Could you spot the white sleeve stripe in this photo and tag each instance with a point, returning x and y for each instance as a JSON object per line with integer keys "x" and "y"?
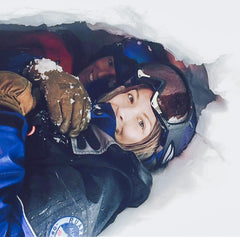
{"x": 25, "y": 218}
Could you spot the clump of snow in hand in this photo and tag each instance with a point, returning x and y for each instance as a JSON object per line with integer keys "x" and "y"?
{"x": 46, "y": 65}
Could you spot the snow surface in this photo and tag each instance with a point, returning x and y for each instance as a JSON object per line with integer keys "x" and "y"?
{"x": 198, "y": 193}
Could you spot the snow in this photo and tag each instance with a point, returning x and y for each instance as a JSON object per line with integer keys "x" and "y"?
{"x": 198, "y": 193}
{"x": 45, "y": 65}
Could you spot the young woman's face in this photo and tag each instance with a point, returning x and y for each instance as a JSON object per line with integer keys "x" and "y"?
{"x": 134, "y": 115}
{"x": 100, "y": 69}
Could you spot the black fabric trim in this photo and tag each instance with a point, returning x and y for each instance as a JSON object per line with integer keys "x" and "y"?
{"x": 4, "y": 108}
{"x": 11, "y": 120}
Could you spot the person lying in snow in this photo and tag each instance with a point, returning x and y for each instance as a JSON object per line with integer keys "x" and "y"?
{"x": 75, "y": 46}
{"x": 69, "y": 182}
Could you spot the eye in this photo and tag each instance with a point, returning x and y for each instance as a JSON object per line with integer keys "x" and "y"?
{"x": 141, "y": 123}
{"x": 110, "y": 62}
{"x": 130, "y": 97}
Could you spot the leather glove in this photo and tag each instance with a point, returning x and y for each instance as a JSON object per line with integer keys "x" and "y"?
{"x": 15, "y": 93}
{"x": 68, "y": 103}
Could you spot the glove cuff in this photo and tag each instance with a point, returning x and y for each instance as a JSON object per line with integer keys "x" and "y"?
{"x": 10, "y": 102}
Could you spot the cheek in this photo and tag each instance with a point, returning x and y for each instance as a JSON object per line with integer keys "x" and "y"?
{"x": 105, "y": 72}
{"x": 129, "y": 135}
{"x": 84, "y": 76}
{"x": 86, "y": 70}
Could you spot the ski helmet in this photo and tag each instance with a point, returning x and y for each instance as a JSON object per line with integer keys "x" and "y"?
{"x": 171, "y": 98}
{"x": 132, "y": 59}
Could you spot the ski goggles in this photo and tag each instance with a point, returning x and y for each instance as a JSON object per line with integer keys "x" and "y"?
{"x": 173, "y": 107}
{"x": 171, "y": 98}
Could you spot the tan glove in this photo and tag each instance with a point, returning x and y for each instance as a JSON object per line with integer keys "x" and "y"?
{"x": 68, "y": 102}
{"x": 15, "y": 92}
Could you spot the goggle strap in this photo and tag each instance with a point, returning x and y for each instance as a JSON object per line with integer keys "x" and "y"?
{"x": 154, "y": 103}
{"x": 169, "y": 154}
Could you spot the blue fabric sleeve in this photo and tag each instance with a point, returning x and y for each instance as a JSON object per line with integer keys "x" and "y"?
{"x": 13, "y": 129}
{"x": 19, "y": 61}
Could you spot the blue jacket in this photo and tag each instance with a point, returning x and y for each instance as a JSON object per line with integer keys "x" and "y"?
{"x": 13, "y": 130}
{"x": 65, "y": 185}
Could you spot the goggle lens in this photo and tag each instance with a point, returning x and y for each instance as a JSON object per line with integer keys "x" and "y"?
{"x": 170, "y": 99}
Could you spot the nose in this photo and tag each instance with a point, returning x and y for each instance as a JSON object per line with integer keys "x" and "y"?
{"x": 122, "y": 114}
{"x": 125, "y": 114}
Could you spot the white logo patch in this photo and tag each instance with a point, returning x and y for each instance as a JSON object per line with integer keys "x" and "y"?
{"x": 67, "y": 227}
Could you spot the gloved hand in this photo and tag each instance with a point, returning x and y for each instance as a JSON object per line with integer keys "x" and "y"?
{"x": 15, "y": 92}
{"x": 68, "y": 102}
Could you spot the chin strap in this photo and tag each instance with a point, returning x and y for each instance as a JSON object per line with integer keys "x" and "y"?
{"x": 102, "y": 115}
